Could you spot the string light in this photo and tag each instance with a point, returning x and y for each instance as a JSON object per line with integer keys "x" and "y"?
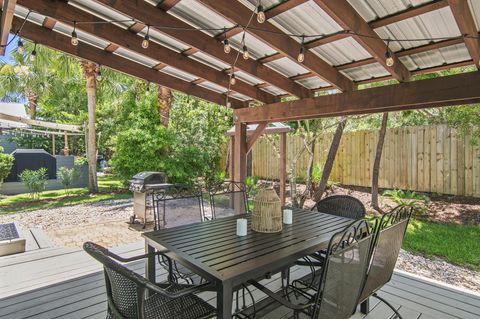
{"x": 74, "y": 39}
{"x": 146, "y": 39}
{"x": 389, "y": 61}
{"x": 148, "y": 87}
{"x": 20, "y": 46}
{"x": 99, "y": 74}
{"x": 246, "y": 55}
{"x": 260, "y": 13}
{"x": 226, "y": 46}
{"x": 229, "y": 104}
{"x": 233, "y": 80}
{"x": 33, "y": 55}
{"x": 301, "y": 55}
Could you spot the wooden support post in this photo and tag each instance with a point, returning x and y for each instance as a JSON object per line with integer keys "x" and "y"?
{"x": 283, "y": 167}
{"x": 53, "y": 144}
{"x": 65, "y": 149}
{"x": 231, "y": 168}
{"x": 240, "y": 161}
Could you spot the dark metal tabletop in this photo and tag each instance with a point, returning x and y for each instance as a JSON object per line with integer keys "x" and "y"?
{"x": 213, "y": 250}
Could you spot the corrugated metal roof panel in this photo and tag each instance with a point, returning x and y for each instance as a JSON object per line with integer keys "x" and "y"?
{"x": 245, "y": 77}
{"x": 287, "y": 67}
{"x": 82, "y": 36}
{"x": 307, "y": 18}
{"x": 313, "y": 82}
{"x": 134, "y": 56}
{"x": 240, "y": 96}
{"x": 164, "y": 40}
{"x": 341, "y": 51}
{"x": 256, "y": 47}
{"x": 475, "y": 8}
{"x": 213, "y": 87}
{"x": 103, "y": 12}
{"x": 178, "y": 73}
{"x": 196, "y": 14}
{"x": 210, "y": 61}
{"x": 436, "y": 24}
{"x": 373, "y": 9}
{"x": 274, "y": 90}
{"x": 33, "y": 16}
{"x": 374, "y": 70}
{"x": 451, "y": 54}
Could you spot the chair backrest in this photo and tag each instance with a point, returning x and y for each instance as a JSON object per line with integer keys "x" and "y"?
{"x": 177, "y": 199}
{"x": 125, "y": 288}
{"x": 221, "y": 197}
{"x": 343, "y": 273}
{"x": 342, "y": 205}
{"x": 388, "y": 241}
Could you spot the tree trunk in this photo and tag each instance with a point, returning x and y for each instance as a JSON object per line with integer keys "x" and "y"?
{"x": 90, "y": 71}
{"x": 332, "y": 153}
{"x": 165, "y": 98}
{"x": 32, "y": 99}
{"x": 376, "y": 163}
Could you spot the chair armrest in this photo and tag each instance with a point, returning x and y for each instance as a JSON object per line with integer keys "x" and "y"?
{"x": 181, "y": 293}
{"x": 277, "y": 298}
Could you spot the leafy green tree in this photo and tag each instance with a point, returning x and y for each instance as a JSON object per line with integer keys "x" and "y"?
{"x": 6, "y": 162}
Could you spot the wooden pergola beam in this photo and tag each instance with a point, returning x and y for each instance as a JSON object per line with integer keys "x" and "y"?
{"x": 62, "y": 11}
{"x": 327, "y": 39}
{"x": 466, "y": 23}
{"x": 8, "y": 8}
{"x": 255, "y": 135}
{"x": 282, "y": 7}
{"x": 62, "y": 43}
{"x": 167, "y": 4}
{"x": 408, "y": 13}
{"x": 349, "y": 19}
{"x": 238, "y": 13}
{"x": 141, "y": 10}
{"x": 442, "y": 91}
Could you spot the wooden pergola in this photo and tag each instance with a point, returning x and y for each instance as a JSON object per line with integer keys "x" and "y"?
{"x": 344, "y": 44}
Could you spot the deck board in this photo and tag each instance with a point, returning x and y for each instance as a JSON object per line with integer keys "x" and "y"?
{"x": 70, "y": 284}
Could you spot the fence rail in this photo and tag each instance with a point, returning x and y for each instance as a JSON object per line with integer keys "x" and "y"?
{"x": 421, "y": 158}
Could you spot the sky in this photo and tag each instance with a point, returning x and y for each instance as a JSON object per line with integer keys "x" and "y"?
{"x": 13, "y": 46}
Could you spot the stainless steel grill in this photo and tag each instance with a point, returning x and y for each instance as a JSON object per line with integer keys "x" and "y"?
{"x": 143, "y": 184}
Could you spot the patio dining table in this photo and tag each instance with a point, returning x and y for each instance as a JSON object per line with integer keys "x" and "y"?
{"x": 214, "y": 251}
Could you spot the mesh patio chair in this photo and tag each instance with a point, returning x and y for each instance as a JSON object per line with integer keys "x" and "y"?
{"x": 221, "y": 197}
{"x": 341, "y": 205}
{"x": 131, "y": 296}
{"x": 183, "y": 199}
{"x": 341, "y": 280}
{"x": 384, "y": 253}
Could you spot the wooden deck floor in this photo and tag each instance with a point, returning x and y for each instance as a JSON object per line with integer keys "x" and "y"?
{"x": 67, "y": 283}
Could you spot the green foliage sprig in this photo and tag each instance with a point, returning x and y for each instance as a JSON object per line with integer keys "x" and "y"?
{"x": 35, "y": 181}
{"x": 67, "y": 177}
{"x": 6, "y": 162}
{"x": 419, "y": 203}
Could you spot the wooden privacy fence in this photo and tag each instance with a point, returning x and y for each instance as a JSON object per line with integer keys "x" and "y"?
{"x": 421, "y": 158}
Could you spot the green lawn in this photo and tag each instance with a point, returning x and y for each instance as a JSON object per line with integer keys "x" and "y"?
{"x": 457, "y": 244}
{"x": 108, "y": 187}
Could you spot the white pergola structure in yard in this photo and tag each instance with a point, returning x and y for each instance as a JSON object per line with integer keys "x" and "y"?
{"x": 304, "y": 47}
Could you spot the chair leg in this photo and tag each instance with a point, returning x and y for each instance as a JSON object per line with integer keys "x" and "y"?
{"x": 389, "y": 305}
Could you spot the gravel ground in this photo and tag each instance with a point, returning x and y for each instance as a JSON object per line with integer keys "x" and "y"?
{"x": 81, "y": 217}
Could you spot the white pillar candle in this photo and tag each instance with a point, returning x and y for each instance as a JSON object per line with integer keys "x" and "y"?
{"x": 287, "y": 216}
{"x": 241, "y": 227}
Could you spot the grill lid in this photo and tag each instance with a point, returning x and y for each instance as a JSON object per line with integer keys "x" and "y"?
{"x": 140, "y": 180}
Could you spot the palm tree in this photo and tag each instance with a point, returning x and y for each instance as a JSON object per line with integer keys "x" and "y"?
{"x": 90, "y": 71}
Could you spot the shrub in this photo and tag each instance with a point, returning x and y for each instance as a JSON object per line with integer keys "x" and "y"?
{"x": 6, "y": 162}
{"x": 67, "y": 177}
{"x": 35, "y": 181}
{"x": 251, "y": 185}
{"x": 419, "y": 203}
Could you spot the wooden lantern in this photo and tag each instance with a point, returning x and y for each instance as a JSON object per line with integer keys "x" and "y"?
{"x": 267, "y": 212}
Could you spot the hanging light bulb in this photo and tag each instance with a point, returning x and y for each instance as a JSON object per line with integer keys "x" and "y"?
{"x": 233, "y": 80}
{"x": 33, "y": 55}
{"x": 246, "y": 55}
{"x": 99, "y": 74}
{"x": 388, "y": 57}
{"x": 74, "y": 39}
{"x": 260, "y": 14}
{"x": 148, "y": 87}
{"x": 229, "y": 104}
{"x": 301, "y": 55}
{"x": 146, "y": 39}
{"x": 226, "y": 46}
{"x": 20, "y": 46}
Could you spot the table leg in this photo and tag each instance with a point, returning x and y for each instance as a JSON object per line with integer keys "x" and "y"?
{"x": 224, "y": 300}
{"x": 150, "y": 263}
{"x": 365, "y": 306}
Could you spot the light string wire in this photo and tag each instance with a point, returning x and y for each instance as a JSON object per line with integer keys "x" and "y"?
{"x": 17, "y": 34}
